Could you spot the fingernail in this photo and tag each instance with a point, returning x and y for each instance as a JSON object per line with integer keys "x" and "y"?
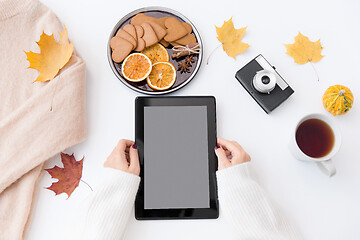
{"x": 134, "y": 146}
{"x": 217, "y": 147}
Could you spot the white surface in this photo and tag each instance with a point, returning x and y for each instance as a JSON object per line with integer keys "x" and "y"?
{"x": 323, "y": 208}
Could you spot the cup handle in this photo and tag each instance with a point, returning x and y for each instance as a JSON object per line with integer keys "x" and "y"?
{"x": 327, "y": 167}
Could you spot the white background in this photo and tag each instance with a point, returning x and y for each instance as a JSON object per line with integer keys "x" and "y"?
{"x": 322, "y": 208}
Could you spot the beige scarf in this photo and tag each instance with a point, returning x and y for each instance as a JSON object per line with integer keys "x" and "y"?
{"x": 30, "y": 133}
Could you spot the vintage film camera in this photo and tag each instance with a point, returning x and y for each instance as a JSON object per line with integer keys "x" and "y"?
{"x": 264, "y": 83}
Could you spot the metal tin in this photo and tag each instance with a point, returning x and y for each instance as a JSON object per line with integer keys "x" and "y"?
{"x": 160, "y": 9}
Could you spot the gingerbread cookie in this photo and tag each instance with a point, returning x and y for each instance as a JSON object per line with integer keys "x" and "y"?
{"x": 161, "y": 21}
{"x": 137, "y": 19}
{"x": 131, "y": 30}
{"x": 187, "y": 40}
{"x": 140, "y": 42}
{"x": 175, "y": 29}
{"x": 140, "y": 18}
{"x": 140, "y": 45}
{"x": 121, "y": 48}
{"x": 125, "y": 35}
{"x": 159, "y": 30}
{"x": 164, "y": 43}
{"x": 188, "y": 27}
{"x": 149, "y": 37}
{"x": 139, "y": 31}
{"x": 157, "y": 25}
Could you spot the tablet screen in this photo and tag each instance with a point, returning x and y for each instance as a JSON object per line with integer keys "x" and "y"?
{"x": 176, "y": 170}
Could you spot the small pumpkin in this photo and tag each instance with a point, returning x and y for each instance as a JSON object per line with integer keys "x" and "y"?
{"x": 338, "y": 100}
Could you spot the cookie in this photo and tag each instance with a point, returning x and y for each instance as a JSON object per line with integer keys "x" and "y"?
{"x": 125, "y": 35}
{"x": 159, "y": 30}
{"x": 121, "y": 48}
{"x": 149, "y": 37}
{"x": 138, "y": 19}
{"x": 188, "y": 39}
{"x": 188, "y": 27}
{"x": 140, "y": 42}
{"x": 175, "y": 29}
{"x": 117, "y": 42}
{"x": 161, "y": 21}
{"x": 164, "y": 43}
{"x": 131, "y": 30}
{"x": 140, "y": 45}
{"x": 139, "y": 31}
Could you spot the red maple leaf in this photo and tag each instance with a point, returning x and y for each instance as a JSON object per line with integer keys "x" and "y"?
{"x": 69, "y": 176}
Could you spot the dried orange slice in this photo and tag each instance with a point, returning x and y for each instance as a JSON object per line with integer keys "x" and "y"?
{"x": 162, "y": 76}
{"x": 156, "y": 53}
{"x": 136, "y": 67}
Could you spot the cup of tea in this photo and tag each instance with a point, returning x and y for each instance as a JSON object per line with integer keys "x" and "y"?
{"x": 316, "y": 138}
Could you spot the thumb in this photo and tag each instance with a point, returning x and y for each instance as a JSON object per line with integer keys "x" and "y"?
{"x": 223, "y": 161}
{"x": 134, "y": 157}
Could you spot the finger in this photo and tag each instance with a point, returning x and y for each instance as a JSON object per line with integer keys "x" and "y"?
{"x": 242, "y": 152}
{"x": 238, "y": 145}
{"x": 229, "y": 145}
{"x": 243, "y": 155}
{"x": 223, "y": 161}
{"x": 123, "y": 144}
{"x": 114, "y": 160}
{"x": 134, "y": 156}
{"x": 127, "y": 156}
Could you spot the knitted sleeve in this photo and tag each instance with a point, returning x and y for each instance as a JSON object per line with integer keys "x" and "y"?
{"x": 33, "y": 133}
{"x": 111, "y": 205}
{"x": 246, "y": 206}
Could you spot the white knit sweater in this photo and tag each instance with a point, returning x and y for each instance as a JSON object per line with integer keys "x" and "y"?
{"x": 242, "y": 201}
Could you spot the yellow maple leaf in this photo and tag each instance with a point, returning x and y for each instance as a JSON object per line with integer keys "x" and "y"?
{"x": 231, "y": 38}
{"x": 304, "y": 51}
{"x": 53, "y": 55}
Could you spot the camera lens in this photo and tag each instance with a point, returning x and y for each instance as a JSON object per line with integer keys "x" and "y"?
{"x": 265, "y": 79}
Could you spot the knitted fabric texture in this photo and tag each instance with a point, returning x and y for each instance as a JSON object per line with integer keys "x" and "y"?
{"x": 30, "y": 133}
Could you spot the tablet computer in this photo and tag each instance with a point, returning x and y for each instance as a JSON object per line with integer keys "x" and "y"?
{"x": 176, "y": 137}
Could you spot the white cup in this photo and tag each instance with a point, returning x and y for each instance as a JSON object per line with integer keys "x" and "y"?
{"x": 324, "y": 163}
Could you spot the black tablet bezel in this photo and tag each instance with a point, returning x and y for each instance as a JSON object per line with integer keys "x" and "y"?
{"x": 187, "y": 213}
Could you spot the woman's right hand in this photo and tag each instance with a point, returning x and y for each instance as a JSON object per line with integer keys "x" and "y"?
{"x": 230, "y": 153}
{"x": 124, "y": 157}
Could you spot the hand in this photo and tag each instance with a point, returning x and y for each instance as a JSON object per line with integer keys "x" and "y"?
{"x": 230, "y": 153}
{"x": 124, "y": 157}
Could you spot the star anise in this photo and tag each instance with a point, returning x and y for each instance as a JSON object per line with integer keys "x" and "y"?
{"x": 183, "y": 67}
{"x": 189, "y": 60}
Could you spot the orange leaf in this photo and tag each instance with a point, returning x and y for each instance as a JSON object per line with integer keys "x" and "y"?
{"x": 53, "y": 55}
{"x": 231, "y": 38}
{"x": 304, "y": 50}
{"x": 69, "y": 176}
